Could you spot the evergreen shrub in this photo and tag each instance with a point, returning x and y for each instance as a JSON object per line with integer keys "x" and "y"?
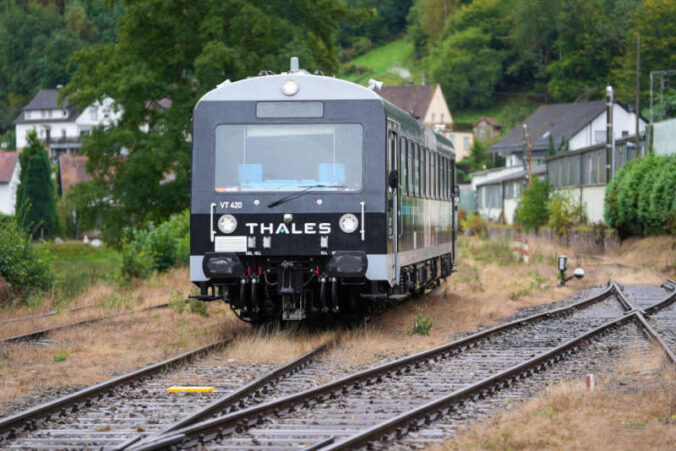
{"x": 24, "y": 266}
{"x": 157, "y": 248}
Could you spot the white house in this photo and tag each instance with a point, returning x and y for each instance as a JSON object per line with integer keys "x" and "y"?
{"x": 9, "y": 180}
{"x": 59, "y": 124}
{"x": 576, "y": 126}
{"x": 580, "y": 124}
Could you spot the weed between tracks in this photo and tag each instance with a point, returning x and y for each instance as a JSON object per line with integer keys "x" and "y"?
{"x": 635, "y": 408}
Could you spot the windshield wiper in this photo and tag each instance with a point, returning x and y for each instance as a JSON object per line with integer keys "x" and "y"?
{"x": 296, "y": 195}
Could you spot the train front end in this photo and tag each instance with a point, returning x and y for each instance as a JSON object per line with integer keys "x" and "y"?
{"x": 288, "y": 203}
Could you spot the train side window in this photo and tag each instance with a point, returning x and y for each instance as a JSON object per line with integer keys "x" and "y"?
{"x": 392, "y": 147}
{"x": 416, "y": 171}
{"x": 411, "y": 174}
{"x": 450, "y": 179}
{"x": 428, "y": 178}
{"x": 434, "y": 175}
{"x": 420, "y": 172}
{"x": 403, "y": 169}
{"x": 442, "y": 173}
{"x": 423, "y": 171}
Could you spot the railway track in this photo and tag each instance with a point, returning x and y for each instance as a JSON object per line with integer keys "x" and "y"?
{"x": 47, "y": 314}
{"x": 38, "y": 334}
{"x": 335, "y": 411}
{"x": 123, "y": 410}
{"x": 286, "y": 407}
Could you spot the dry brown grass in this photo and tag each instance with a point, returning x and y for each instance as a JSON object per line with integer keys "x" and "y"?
{"x": 633, "y": 409}
{"x": 107, "y": 299}
{"x": 479, "y": 294}
{"x": 276, "y": 347}
{"x": 101, "y": 350}
{"x": 655, "y": 253}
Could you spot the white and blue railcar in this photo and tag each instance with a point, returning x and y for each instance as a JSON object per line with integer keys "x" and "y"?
{"x": 314, "y": 198}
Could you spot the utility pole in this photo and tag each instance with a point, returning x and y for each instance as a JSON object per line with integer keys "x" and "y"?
{"x": 530, "y": 161}
{"x": 610, "y": 141}
{"x": 638, "y": 96}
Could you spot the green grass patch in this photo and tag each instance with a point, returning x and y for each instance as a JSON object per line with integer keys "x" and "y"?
{"x": 387, "y": 63}
{"x": 60, "y": 357}
{"x": 421, "y": 325}
{"x": 76, "y": 266}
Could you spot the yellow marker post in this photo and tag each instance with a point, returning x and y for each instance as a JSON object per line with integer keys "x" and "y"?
{"x": 190, "y": 389}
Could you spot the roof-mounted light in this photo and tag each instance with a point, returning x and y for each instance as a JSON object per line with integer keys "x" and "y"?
{"x": 290, "y": 87}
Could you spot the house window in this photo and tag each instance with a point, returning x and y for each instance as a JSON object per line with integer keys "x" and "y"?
{"x": 44, "y": 113}
{"x": 599, "y": 136}
{"x": 452, "y": 138}
{"x": 64, "y": 112}
{"x": 465, "y": 142}
{"x": 93, "y": 113}
{"x": 432, "y": 117}
{"x": 625, "y": 133}
{"x": 63, "y": 133}
{"x": 442, "y": 118}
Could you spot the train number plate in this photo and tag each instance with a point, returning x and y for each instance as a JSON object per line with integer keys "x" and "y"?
{"x": 230, "y": 244}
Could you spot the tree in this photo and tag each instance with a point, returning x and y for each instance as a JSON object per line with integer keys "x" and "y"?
{"x": 36, "y": 41}
{"x": 35, "y": 202}
{"x": 467, "y": 68}
{"x": 533, "y": 210}
{"x": 655, "y": 20}
{"x": 164, "y": 60}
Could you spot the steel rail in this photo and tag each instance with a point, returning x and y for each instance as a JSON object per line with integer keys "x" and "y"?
{"x": 42, "y": 332}
{"x": 628, "y": 305}
{"x": 46, "y": 314}
{"x": 30, "y": 418}
{"x": 429, "y": 412}
{"x": 667, "y": 301}
{"x": 250, "y": 416}
{"x": 239, "y": 395}
{"x": 655, "y": 336}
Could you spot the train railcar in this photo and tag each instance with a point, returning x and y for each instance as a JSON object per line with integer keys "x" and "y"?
{"x": 315, "y": 198}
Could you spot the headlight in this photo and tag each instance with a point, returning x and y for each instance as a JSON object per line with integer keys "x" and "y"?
{"x": 227, "y": 223}
{"x": 348, "y": 223}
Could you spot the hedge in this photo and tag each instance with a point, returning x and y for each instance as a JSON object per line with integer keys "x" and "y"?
{"x": 641, "y": 198}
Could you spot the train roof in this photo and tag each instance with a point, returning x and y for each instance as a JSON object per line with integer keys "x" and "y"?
{"x": 269, "y": 88}
{"x": 312, "y": 87}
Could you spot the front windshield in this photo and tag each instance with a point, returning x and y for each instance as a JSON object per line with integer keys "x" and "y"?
{"x": 288, "y": 157}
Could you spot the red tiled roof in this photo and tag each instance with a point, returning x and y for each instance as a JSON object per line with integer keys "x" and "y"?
{"x": 7, "y": 164}
{"x": 73, "y": 169}
{"x": 414, "y": 99}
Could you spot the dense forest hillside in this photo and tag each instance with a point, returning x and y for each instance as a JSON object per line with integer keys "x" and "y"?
{"x": 513, "y": 53}
{"x": 498, "y": 57}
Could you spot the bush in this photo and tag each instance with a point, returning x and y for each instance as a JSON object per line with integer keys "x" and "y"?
{"x": 640, "y": 199}
{"x": 157, "y": 248}
{"x": 564, "y": 213}
{"x": 533, "y": 210}
{"x": 474, "y": 223}
{"x": 24, "y": 266}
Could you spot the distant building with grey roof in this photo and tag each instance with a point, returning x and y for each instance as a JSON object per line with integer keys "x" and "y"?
{"x": 579, "y": 124}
